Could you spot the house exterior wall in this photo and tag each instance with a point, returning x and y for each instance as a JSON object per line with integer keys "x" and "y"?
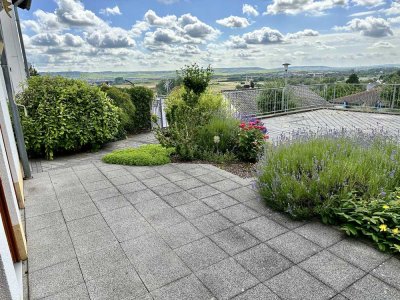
{"x": 13, "y": 48}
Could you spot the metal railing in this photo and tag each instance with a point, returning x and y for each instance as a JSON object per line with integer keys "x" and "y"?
{"x": 158, "y": 109}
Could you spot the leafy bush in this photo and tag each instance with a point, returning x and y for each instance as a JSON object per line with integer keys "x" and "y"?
{"x": 147, "y": 155}
{"x": 66, "y": 115}
{"x": 251, "y": 140}
{"x": 308, "y": 174}
{"x": 220, "y": 135}
{"x": 142, "y": 99}
{"x": 127, "y": 110}
{"x": 376, "y": 218}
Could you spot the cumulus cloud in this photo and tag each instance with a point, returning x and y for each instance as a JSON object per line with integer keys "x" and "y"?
{"x": 154, "y": 20}
{"x": 110, "y": 38}
{"x": 111, "y": 11}
{"x": 382, "y": 44}
{"x": 370, "y": 3}
{"x": 73, "y": 40}
{"x": 250, "y": 10}
{"x": 300, "y": 34}
{"x": 294, "y": 7}
{"x": 236, "y": 42}
{"x": 264, "y": 36}
{"x": 73, "y": 13}
{"x": 370, "y": 26}
{"x": 46, "y": 39}
{"x": 234, "y": 22}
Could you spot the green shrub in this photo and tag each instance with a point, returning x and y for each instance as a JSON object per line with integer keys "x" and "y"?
{"x": 66, "y": 115}
{"x": 127, "y": 110}
{"x": 142, "y": 99}
{"x": 376, "y": 218}
{"x": 220, "y": 135}
{"x": 250, "y": 142}
{"x": 305, "y": 176}
{"x": 147, "y": 155}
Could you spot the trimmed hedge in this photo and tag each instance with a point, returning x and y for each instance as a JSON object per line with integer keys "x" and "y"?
{"x": 147, "y": 155}
{"x": 142, "y": 99}
{"x": 66, "y": 115}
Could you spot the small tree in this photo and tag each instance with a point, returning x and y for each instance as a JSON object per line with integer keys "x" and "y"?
{"x": 353, "y": 79}
{"x": 33, "y": 71}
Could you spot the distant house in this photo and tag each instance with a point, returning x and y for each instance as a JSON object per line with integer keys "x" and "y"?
{"x": 371, "y": 98}
{"x": 14, "y": 73}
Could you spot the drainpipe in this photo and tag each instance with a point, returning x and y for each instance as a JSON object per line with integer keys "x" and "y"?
{"x": 19, "y": 135}
{"x": 21, "y": 39}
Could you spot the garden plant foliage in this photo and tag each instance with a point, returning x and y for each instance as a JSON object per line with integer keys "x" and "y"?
{"x": 142, "y": 99}
{"x": 309, "y": 175}
{"x": 147, "y": 155}
{"x": 66, "y": 115}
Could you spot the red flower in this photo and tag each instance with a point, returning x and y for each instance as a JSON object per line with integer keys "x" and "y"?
{"x": 266, "y": 137}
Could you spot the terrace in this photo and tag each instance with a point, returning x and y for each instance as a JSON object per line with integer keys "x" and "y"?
{"x": 190, "y": 231}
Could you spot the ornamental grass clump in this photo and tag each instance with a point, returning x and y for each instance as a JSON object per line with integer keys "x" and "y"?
{"x": 306, "y": 174}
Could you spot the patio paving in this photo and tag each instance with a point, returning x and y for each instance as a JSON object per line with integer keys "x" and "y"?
{"x": 182, "y": 231}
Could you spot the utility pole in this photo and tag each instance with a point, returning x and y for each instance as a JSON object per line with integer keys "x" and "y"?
{"x": 19, "y": 135}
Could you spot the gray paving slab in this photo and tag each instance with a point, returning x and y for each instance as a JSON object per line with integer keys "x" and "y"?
{"x": 263, "y": 262}
{"x": 74, "y": 200}
{"x": 203, "y": 191}
{"x": 226, "y": 279}
{"x": 259, "y": 292}
{"x": 371, "y": 288}
{"x": 93, "y": 241}
{"x": 131, "y": 187}
{"x": 155, "y": 181}
{"x": 55, "y": 279}
{"x": 234, "y": 240}
{"x": 43, "y": 221}
{"x": 86, "y": 225}
{"x": 219, "y": 201}
{"x": 200, "y": 254}
{"x": 179, "y": 198}
{"x": 211, "y": 178}
{"x": 225, "y": 185}
{"x": 104, "y": 193}
{"x": 78, "y": 212}
{"x": 112, "y": 203}
{"x": 263, "y": 228}
{"x": 194, "y": 210}
{"x": 139, "y": 196}
{"x": 359, "y": 254}
{"x": 389, "y": 272}
{"x": 239, "y": 213}
{"x": 76, "y": 292}
{"x": 332, "y": 270}
{"x": 187, "y": 288}
{"x": 97, "y": 185}
{"x": 180, "y": 234}
{"x": 166, "y": 189}
{"x": 123, "y": 179}
{"x": 242, "y": 194}
{"x": 322, "y": 235}
{"x": 189, "y": 183}
{"x": 176, "y": 176}
{"x": 295, "y": 283}
{"x": 212, "y": 223}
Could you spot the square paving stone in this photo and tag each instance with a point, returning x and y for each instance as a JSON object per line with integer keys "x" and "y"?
{"x": 166, "y": 189}
{"x": 166, "y": 169}
{"x": 155, "y": 181}
{"x": 48, "y": 236}
{"x": 186, "y": 288}
{"x": 234, "y": 240}
{"x": 93, "y": 241}
{"x": 219, "y": 201}
{"x": 97, "y": 185}
{"x": 263, "y": 228}
{"x": 200, "y": 254}
{"x": 203, "y": 191}
{"x": 72, "y": 190}
{"x": 41, "y": 209}
{"x": 118, "y": 284}
{"x": 226, "y": 279}
{"x": 86, "y": 225}
{"x": 212, "y": 223}
{"x": 259, "y": 292}
{"x": 225, "y": 185}
{"x": 260, "y": 207}
{"x": 142, "y": 195}
{"x": 211, "y": 178}
{"x": 372, "y": 288}
{"x": 123, "y": 179}
{"x": 179, "y": 198}
{"x": 54, "y": 279}
{"x": 263, "y": 262}
{"x": 188, "y": 184}
{"x": 297, "y": 284}
{"x": 152, "y": 206}
{"x": 180, "y": 234}
{"x": 79, "y": 212}
{"x": 148, "y": 174}
{"x": 43, "y": 221}
{"x": 164, "y": 218}
{"x": 359, "y": 254}
{"x": 74, "y": 200}
{"x": 285, "y": 220}
{"x": 239, "y": 213}
{"x": 197, "y": 171}
{"x": 103, "y": 194}
{"x": 389, "y": 272}
{"x": 194, "y": 210}
{"x": 112, "y": 203}
{"x": 130, "y": 229}
{"x": 293, "y": 246}
{"x": 320, "y": 234}
{"x": 102, "y": 262}
{"x": 242, "y": 194}
{"x": 77, "y": 292}
{"x": 122, "y": 214}
{"x": 116, "y": 173}
{"x": 176, "y": 176}
{"x": 332, "y": 270}
{"x": 145, "y": 247}
{"x": 93, "y": 177}
{"x": 131, "y": 187}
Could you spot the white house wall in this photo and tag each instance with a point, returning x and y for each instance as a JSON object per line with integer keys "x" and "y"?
{"x": 13, "y": 48}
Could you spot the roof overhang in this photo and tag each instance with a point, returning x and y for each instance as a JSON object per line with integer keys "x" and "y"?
{"x": 24, "y": 4}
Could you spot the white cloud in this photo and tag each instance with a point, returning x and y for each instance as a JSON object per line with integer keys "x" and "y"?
{"x": 370, "y": 26}
{"x": 46, "y": 39}
{"x": 382, "y": 44}
{"x": 73, "y": 13}
{"x": 110, "y": 38}
{"x": 369, "y": 3}
{"x": 294, "y": 7}
{"x": 168, "y": 1}
{"x": 236, "y": 42}
{"x": 73, "y": 40}
{"x": 250, "y": 10}
{"x": 111, "y": 11}
{"x": 154, "y": 20}
{"x": 234, "y": 22}
{"x": 264, "y": 36}
{"x": 363, "y": 13}
{"x": 394, "y": 9}
{"x": 304, "y": 33}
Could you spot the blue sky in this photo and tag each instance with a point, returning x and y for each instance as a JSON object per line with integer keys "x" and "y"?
{"x": 129, "y": 35}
